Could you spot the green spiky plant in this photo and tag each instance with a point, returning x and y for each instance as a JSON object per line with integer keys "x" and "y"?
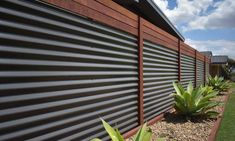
{"x": 208, "y": 90}
{"x": 192, "y": 102}
{"x": 218, "y": 83}
{"x": 143, "y": 134}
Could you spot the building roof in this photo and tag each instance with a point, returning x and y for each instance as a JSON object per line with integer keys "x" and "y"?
{"x": 207, "y": 53}
{"x": 219, "y": 59}
{"x": 151, "y": 12}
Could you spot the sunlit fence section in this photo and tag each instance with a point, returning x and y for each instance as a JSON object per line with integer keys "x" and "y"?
{"x": 160, "y": 70}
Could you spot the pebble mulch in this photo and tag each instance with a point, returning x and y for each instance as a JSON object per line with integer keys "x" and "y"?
{"x": 176, "y": 128}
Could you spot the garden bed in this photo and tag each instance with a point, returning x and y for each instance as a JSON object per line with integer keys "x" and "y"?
{"x": 176, "y": 128}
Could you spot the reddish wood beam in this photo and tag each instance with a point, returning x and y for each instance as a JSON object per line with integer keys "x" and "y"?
{"x": 179, "y": 61}
{"x": 141, "y": 80}
{"x": 159, "y": 30}
{"x": 150, "y": 122}
{"x": 88, "y": 9}
{"x": 131, "y": 132}
{"x": 159, "y": 42}
{"x": 157, "y": 118}
{"x": 134, "y": 131}
{"x": 108, "y": 11}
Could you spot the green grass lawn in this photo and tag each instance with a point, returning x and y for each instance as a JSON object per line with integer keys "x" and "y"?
{"x": 233, "y": 85}
{"x": 227, "y": 128}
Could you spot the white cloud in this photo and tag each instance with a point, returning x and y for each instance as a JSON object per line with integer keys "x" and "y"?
{"x": 162, "y": 4}
{"x": 185, "y": 11}
{"x": 218, "y": 47}
{"x": 222, "y": 17}
{"x": 193, "y": 14}
{"x": 203, "y": 14}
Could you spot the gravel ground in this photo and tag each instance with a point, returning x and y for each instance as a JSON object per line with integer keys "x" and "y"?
{"x": 176, "y": 128}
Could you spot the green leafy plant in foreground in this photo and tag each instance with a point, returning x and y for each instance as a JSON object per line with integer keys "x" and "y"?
{"x": 192, "y": 102}
{"x": 143, "y": 134}
{"x": 218, "y": 83}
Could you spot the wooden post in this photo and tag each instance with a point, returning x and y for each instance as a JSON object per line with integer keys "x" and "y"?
{"x": 179, "y": 61}
{"x": 195, "y": 68}
{"x": 141, "y": 82}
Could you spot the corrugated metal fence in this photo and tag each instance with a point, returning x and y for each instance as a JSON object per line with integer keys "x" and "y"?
{"x": 188, "y": 70}
{"x": 160, "y": 70}
{"x": 60, "y": 72}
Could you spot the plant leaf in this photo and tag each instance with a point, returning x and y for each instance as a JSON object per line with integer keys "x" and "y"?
{"x": 190, "y": 87}
{"x": 110, "y": 131}
{"x": 119, "y": 136}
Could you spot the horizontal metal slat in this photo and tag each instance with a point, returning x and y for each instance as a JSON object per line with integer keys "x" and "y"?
{"x": 61, "y": 73}
{"x": 24, "y": 97}
{"x": 60, "y": 43}
{"x": 54, "y": 23}
{"x": 53, "y": 104}
{"x": 59, "y": 34}
{"x": 148, "y": 95}
{"x": 123, "y": 125}
{"x": 160, "y": 74}
{"x": 160, "y": 69}
{"x": 156, "y": 83}
{"x": 164, "y": 57}
{"x": 36, "y": 118}
{"x": 147, "y": 59}
{"x": 43, "y": 127}
{"x": 158, "y": 87}
{"x": 158, "y": 106}
{"x": 62, "y": 63}
{"x": 146, "y": 79}
{"x": 151, "y": 104}
{"x": 68, "y": 16}
{"x": 155, "y": 50}
{"x": 63, "y": 54}
{"x": 159, "y": 48}
{"x": 159, "y": 65}
{"x": 160, "y": 110}
{"x": 56, "y": 43}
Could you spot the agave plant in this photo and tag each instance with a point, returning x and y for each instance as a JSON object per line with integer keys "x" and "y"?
{"x": 143, "y": 134}
{"x": 192, "y": 102}
{"x": 208, "y": 90}
{"x": 113, "y": 133}
{"x": 218, "y": 83}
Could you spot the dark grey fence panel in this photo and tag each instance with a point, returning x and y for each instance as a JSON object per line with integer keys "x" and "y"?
{"x": 200, "y": 72}
{"x": 160, "y": 70}
{"x": 60, "y": 72}
{"x": 187, "y": 70}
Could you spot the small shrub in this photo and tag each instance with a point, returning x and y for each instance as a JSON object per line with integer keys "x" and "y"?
{"x": 143, "y": 134}
{"x": 208, "y": 90}
{"x": 192, "y": 102}
{"x": 218, "y": 83}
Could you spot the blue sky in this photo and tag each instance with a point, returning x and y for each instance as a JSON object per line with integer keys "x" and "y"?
{"x": 207, "y": 25}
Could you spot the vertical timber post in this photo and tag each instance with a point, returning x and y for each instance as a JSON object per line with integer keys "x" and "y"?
{"x": 179, "y": 61}
{"x": 195, "y": 68}
{"x": 141, "y": 81}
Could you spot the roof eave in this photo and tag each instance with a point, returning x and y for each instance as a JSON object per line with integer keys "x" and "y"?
{"x": 155, "y": 7}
